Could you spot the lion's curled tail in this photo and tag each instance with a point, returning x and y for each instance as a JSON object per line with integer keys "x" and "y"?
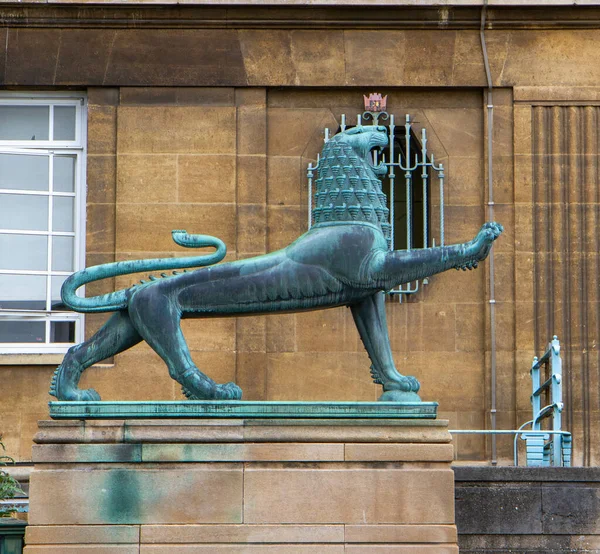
{"x": 118, "y": 300}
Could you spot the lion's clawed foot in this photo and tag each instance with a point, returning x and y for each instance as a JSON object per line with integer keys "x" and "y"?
{"x": 403, "y": 390}
{"x": 63, "y": 387}
{"x": 227, "y": 391}
{"x": 406, "y": 383}
{"x": 480, "y": 246}
{"x": 488, "y": 233}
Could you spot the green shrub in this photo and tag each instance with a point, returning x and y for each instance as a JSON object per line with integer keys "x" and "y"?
{"x": 9, "y": 486}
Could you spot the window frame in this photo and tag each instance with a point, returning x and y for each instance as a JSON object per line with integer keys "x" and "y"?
{"x": 51, "y": 148}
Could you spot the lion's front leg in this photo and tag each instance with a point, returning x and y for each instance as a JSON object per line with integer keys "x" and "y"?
{"x": 369, "y": 316}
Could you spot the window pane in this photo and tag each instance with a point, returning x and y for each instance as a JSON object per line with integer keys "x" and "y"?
{"x": 64, "y": 173}
{"x": 64, "y": 122}
{"x": 22, "y": 331}
{"x": 29, "y": 252}
{"x": 24, "y": 212}
{"x": 24, "y": 122}
{"x": 62, "y": 213}
{"x": 62, "y": 331}
{"x": 62, "y": 253}
{"x": 23, "y": 172}
{"x": 22, "y": 292}
{"x": 55, "y": 286}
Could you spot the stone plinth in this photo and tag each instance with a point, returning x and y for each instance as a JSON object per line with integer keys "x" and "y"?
{"x": 242, "y": 485}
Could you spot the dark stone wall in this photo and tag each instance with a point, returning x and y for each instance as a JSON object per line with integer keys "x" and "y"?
{"x": 519, "y": 509}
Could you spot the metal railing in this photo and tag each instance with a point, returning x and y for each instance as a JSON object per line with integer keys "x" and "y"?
{"x": 544, "y": 447}
{"x": 554, "y": 448}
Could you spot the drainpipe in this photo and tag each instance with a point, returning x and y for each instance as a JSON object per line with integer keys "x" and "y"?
{"x": 492, "y": 300}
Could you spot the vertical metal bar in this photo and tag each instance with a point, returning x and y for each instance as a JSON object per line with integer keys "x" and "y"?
{"x": 392, "y": 177}
{"x": 309, "y": 174}
{"x": 441, "y": 178}
{"x": 424, "y": 177}
{"x": 407, "y": 178}
{"x": 343, "y": 123}
{"x": 49, "y": 235}
{"x": 556, "y": 369}
{"x": 535, "y": 398}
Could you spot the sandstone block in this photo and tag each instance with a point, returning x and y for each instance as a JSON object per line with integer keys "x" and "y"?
{"x": 146, "y": 179}
{"x": 134, "y": 496}
{"x": 400, "y": 533}
{"x": 206, "y": 178}
{"x": 348, "y": 496}
{"x": 174, "y": 534}
{"x": 251, "y": 179}
{"x": 398, "y": 452}
{"x": 176, "y": 129}
{"x": 313, "y": 452}
{"x": 242, "y": 549}
{"x": 267, "y": 57}
{"x": 82, "y": 534}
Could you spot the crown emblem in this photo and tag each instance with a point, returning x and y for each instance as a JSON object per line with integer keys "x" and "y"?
{"x": 375, "y": 102}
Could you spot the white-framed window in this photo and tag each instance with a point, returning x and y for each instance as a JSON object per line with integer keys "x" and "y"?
{"x": 42, "y": 218}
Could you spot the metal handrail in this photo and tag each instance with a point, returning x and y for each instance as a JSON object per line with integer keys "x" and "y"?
{"x": 515, "y": 432}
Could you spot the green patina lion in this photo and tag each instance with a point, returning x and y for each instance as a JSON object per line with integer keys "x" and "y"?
{"x": 343, "y": 260}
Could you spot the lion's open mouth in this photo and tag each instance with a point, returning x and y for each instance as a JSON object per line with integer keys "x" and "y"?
{"x": 377, "y": 144}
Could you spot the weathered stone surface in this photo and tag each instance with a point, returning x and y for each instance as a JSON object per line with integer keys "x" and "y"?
{"x": 169, "y": 57}
{"x": 398, "y": 453}
{"x": 251, "y": 374}
{"x": 318, "y": 57}
{"x": 87, "y": 453}
{"x": 251, "y": 228}
{"x": 251, "y": 179}
{"x": 147, "y": 179}
{"x": 176, "y": 129}
{"x": 147, "y": 227}
{"x": 84, "y": 549}
{"x": 31, "y": 56}
{"x": 560, "y": 59}
{"x": 386, "y": 52}
{"x": 135, "y": 496}
{"x": 177, "y": 96}
{"x": 347, "y": 496}
{"x": 242, "y": 549}
{"x": 499, "y": 510}
{"x": 267, "y": 57}
{"x": 243, "y": 453}
{"x": 82, "y": 534}
{"x": 205, "y": 179}
{"x": 101, "y": 178}
{"x": 570, "y": 511}
{"x": 402, "y": 549}
{"x": 83, "y": 56}
{"x": 400, "y": 533}
{"x": 251, "y": 129}
{"x": 175, "y": 534}
{"x": 102, "y": 129}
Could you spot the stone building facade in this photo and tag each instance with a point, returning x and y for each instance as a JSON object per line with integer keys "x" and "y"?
{"x": 204, "y": 116}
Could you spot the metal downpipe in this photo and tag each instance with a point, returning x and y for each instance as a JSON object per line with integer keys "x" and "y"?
{"x": 492, "y": 300}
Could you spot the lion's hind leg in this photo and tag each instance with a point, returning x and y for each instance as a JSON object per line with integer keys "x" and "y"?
{"x": 157, "y": 317}
{"x": 116, "y": 335}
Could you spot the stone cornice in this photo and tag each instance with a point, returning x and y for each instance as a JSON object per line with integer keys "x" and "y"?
{"x": 382, "y": 15}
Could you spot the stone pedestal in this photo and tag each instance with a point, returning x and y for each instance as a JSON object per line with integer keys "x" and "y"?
{"x": 242, "y": 485}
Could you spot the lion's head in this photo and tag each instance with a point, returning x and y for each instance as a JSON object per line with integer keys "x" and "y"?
{"x": 347, "y": 187}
